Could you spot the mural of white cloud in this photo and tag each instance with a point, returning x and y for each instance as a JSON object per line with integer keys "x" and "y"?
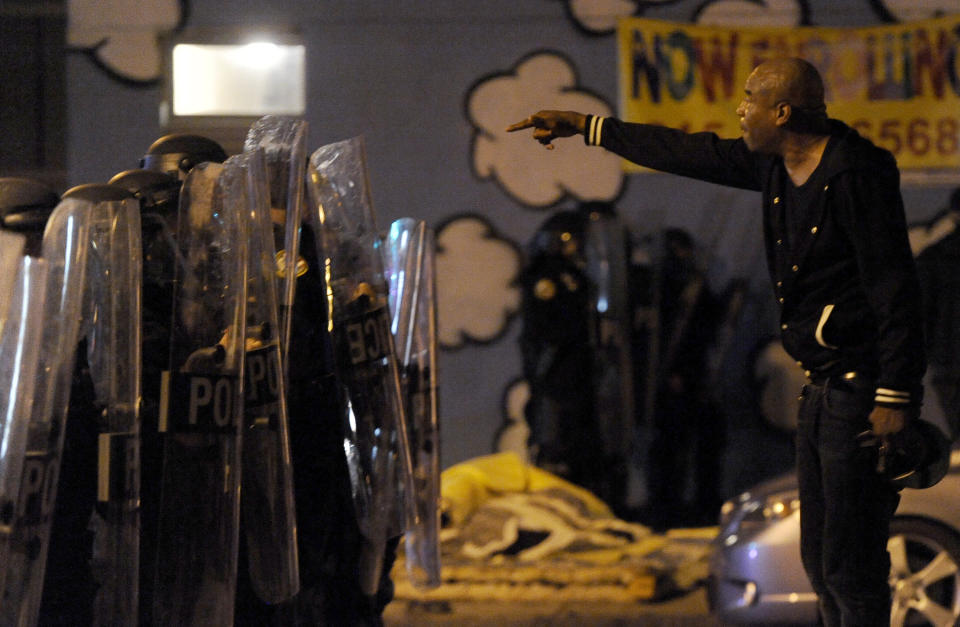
{"x": 910, "y": 10}
{"x": 600, "y": 16}
{"x": 514, "y": 433}
{"x": 515, "y": 400}
{"x": 477, "y": 273}
{"x": 121, "y": 35}
{"x": 527, "y": 172}
{"x": 753, "y": 12}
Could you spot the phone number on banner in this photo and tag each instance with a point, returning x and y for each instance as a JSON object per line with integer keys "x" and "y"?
{"x": 914, "y": 137}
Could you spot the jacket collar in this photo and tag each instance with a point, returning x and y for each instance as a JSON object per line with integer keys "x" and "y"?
{"x": 851, "y": 151}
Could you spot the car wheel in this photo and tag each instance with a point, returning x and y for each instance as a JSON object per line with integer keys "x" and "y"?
{"x": 924, "y": 573}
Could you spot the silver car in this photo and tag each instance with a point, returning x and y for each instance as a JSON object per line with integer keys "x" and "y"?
{"x": 756, "y": 576}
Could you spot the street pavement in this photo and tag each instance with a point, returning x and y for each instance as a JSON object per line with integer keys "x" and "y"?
{"x": 688, "y": 610}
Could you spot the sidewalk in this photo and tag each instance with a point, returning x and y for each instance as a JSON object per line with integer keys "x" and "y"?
{"x": 689, "y": 610}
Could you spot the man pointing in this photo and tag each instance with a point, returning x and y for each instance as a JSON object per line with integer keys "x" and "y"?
{"x": 842, "y": 271}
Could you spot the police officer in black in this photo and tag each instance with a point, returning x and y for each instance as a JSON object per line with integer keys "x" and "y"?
{"x": 555, "y": 345}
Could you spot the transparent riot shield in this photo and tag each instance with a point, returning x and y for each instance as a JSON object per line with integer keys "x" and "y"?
{"x": 201, "y": 407}
{"x": 19, "y": 355}
{"x": 64, "y": 248}
{"x": 267, "y": 506}
{"x": 113, "y": 353}
{"x": 342, "y": 215}
{"x": 16, "y": 387}
{"x": 11, "y": 249}
{"x": 284, "y": 142}
{"x": 409, "y": 263}
{"x": 158, "y": 194}
{"x": 607, "y": 267}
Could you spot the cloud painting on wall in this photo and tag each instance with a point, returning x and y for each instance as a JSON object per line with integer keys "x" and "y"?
{"x": 599, "y": 17}
{"x": 477, "y": 274}
{"x": 513, "y": 435}
{"x": 122, "y": 36}
{"x": 525, "y": 171}
{"x": 767, "y": 13}
{"x": 911, "y": 10}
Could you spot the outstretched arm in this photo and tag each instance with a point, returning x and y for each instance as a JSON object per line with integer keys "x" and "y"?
{"x": 549, "y": 125}
{"x": 701, "y": 156}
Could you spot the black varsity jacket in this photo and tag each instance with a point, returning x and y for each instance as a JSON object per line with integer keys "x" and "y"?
{"x": 847, "y": 285}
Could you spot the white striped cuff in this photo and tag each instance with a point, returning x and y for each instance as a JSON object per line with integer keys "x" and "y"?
{"x": 594, "y": 129}
{"x": 895, "y": 397}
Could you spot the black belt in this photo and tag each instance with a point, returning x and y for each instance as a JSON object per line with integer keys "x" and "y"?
{"x": 819, "y": 377}
{"x": 850, "y": 381}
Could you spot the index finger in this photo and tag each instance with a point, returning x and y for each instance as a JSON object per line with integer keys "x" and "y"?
{"x": 519, "y": 126}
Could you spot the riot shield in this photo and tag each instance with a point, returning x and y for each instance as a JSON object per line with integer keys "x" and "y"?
{"x": 283, "y": 141}
{"x": 605, "y": 250}
{"x": 202, "y": 405}
{"x": 267, "y": 506}
{"x": 11, "y": 249}
{"x": 64, "y": 247}
{"x": 113, "y": 354}
{"x": 409, "y": 262}
{"x": 342, "y": 215}
{"x": 19, "y": 355}
{"x": 16, "y": 385}
{"x": 158, "y": 194}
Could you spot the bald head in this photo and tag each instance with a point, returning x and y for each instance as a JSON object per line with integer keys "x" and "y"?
{"x": 783, "y": 100}
{"x": 792, "y": 80}
{"x": 796, "y": 82}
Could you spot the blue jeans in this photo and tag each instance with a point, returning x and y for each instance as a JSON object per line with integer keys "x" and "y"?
{"x": 845, "y": 506}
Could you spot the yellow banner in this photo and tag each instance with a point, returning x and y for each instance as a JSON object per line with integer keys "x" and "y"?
{"x": 898, "y": 85}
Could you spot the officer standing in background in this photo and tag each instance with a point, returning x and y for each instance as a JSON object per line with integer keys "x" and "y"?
{"x": 557, "y": 353}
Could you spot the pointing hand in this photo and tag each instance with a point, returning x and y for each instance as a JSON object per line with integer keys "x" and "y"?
{"x": 549, "y": 125}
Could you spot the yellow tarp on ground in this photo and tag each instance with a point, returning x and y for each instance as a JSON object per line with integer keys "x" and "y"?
{"x": 465, "y": 486}
{"x": 514, "y": 531}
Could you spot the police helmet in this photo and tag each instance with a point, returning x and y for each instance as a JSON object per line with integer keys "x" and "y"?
{"x": 98, "y": 192}
{"x": 25, "y": 204}
{"x": 178, "y": 153}
{"x": 156, "y": 190}
{"x": 561, "y": 235}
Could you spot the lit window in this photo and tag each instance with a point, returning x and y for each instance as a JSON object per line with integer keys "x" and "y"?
{"x": 252, "y": 79}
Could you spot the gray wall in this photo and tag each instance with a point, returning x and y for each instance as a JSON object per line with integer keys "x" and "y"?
{"x": 397, "y": 72}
